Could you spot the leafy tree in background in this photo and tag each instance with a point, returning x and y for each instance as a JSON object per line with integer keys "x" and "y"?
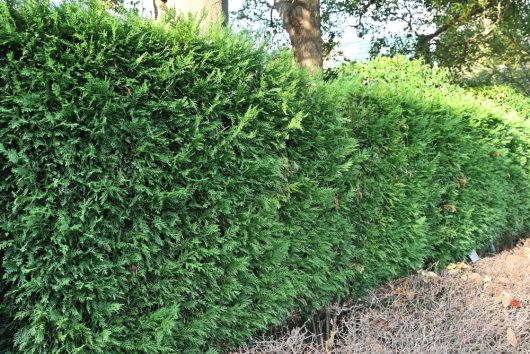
{"x": 462, "y": 35}
{"x": 485, "y": 38}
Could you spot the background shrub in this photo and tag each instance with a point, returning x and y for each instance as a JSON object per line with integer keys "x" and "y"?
{"x": 170, "y": 191}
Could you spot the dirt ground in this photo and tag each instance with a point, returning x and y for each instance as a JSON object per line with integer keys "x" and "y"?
{"x": 467, "y": 308}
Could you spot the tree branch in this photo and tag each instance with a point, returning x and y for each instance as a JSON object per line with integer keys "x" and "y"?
{"x": 476, "y": 10}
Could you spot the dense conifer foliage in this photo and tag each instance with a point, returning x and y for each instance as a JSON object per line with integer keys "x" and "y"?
{"x": 447, "y": 171}
{"x": 167, "y": 191}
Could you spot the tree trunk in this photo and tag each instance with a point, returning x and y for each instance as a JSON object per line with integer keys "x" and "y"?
{"x": 301, "y": 20}
{"x": 213, "y": 9}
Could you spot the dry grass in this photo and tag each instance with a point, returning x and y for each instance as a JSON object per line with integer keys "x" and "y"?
{"x": 484, "y": 308}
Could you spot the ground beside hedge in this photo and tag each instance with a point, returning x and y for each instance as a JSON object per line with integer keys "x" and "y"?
{"x": 478, "y": 308}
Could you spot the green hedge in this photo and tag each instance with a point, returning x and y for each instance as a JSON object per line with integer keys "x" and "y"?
{"x": 505, "y": 96}
{"x": 167, "y": 191}
{"x": 444, "y": 173}
{"x": 143, "y": 166}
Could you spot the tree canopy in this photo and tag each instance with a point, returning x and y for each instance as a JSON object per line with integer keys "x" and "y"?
{"x": 461, "y": 35}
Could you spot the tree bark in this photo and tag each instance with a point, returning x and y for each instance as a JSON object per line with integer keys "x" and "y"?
{"x": 213, "y": 9}
{"x": 301, "y": 20}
